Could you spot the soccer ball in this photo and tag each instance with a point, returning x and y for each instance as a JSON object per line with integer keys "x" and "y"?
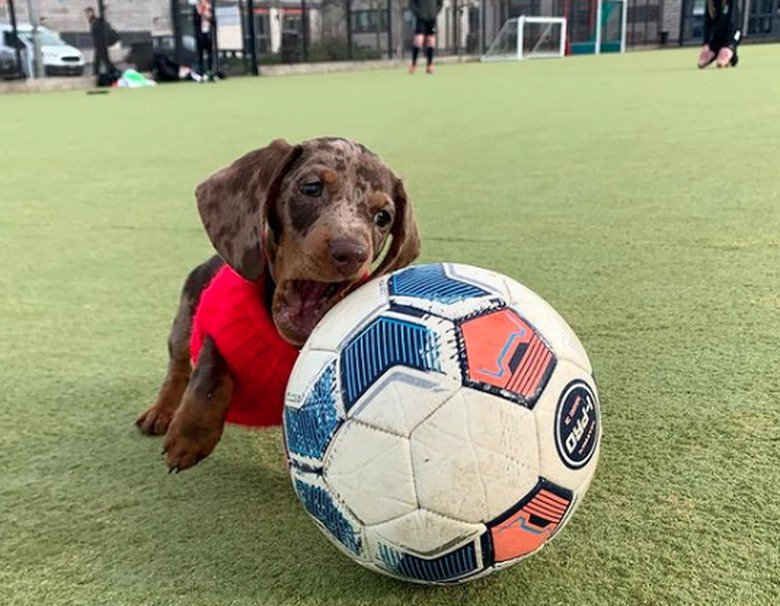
{"x": 441, "y": 423}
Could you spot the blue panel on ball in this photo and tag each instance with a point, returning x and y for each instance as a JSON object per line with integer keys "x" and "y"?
{"x": 310, "y": 427}
{"x": 451, "y": 566}
{"x": 385, "y": 343}
{"x": 319, "y": 503}
{"x": 432, "y": 283}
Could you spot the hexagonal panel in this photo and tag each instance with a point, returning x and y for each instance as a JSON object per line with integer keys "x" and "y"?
{"x": 310, "y": 422}
{"x": 372, "y": 471}
{"x": 435, "y": 289}
{"x": 431, "y": 283}
{"x": 475, "y": 457}
{"x": 398, "y": 401}
{"x": 391, "y": 340}
{"x": 506, "y": 356}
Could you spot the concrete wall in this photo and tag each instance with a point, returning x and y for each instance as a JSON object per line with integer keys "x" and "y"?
{"x": 67, "y": 16}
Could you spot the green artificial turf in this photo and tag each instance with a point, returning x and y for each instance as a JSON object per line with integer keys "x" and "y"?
{"x": 636, "y": 194}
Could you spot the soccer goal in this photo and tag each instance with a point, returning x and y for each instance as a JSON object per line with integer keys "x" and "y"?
{"x": 528, "y": 38}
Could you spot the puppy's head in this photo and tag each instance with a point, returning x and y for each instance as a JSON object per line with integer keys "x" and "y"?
{"x": 319, "y": 217}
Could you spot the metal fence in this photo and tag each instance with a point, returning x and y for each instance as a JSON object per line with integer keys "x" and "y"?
{"x": 253, "y": 33}
{"x": 644, "y": 26}
{"x": 256, "y": 32}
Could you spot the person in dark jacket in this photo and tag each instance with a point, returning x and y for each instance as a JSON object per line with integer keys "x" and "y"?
{"x": 721, "y": 34}
{"x": 204, "y": 22}
{"x": 99, "y": 30}
{"x": 425, "y": 12}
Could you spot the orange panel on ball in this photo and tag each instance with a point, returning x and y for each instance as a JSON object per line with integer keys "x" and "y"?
{"x": 528, "y": 528}
{"x": 504, "y": 351}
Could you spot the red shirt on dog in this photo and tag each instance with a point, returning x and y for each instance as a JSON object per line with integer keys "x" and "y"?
{"x": 231, "y": 311}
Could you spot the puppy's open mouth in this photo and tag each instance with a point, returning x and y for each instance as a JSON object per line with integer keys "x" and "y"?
{"x": 300, "y": 304}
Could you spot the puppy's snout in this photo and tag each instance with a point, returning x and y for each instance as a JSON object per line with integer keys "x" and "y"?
{"x": 348, "y": 255}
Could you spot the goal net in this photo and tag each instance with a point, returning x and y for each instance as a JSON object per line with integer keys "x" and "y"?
{"x": 528, "y": 38}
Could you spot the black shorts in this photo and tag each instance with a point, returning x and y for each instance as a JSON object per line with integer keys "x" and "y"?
{"x": 725, "y": 32}
{"x": 425, "y": 27}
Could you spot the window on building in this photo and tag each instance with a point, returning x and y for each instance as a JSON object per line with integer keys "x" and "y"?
{"x": 693, "y": 20}
{"x": 369, "y": 21}
{"x": 263, "y": 32}
{"x": 291, "y": 24}
{"x": 763, "y": 15}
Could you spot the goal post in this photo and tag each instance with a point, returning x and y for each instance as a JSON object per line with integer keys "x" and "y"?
{"x": 596, "y": 26}
{"x": 528, "y": 38}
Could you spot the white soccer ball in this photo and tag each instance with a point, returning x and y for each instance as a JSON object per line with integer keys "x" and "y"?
{"x": 441, "y": 423}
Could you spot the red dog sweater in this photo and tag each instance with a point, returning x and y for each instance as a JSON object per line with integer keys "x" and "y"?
{"x": 231, "y": 311}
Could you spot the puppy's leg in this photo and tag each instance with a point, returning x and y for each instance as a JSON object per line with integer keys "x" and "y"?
{"x": 156, "y": 419}
{"x": 198, "y": 423}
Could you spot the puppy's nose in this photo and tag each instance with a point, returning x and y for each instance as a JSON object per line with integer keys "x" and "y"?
{"x": 348, "y": 255}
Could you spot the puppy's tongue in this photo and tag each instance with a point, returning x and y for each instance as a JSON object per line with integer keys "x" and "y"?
{"x": 309, "y": 293}
{"x": 305, "y": 303}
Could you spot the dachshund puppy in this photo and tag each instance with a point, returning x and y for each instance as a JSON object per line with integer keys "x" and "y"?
{"x": 297, "y": 227}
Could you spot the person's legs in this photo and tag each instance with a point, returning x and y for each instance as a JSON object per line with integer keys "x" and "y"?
{"x": 725, "y": 39}
{"x": 417, "y": 42}
{"x": 209, "y": 46}
{"x": 201, "y": 51}
{"x": 101, "y": 59}
{"x": 430, "y": 43}
{"x": 728, "y": 54}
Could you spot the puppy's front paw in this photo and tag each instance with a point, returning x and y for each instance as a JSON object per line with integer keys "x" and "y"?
{"x": 188, "y": 442}
{"x": 155, "y": 421}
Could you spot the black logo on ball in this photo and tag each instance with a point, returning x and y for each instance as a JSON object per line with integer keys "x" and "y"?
{"x": 576, "y": 425}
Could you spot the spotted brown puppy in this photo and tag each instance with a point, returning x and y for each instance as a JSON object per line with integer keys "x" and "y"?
{"x": 304, "y": 223}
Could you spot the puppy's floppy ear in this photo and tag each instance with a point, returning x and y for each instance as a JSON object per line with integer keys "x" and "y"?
{"x": 233, "y": 204}
{"x": 405, "y": 246}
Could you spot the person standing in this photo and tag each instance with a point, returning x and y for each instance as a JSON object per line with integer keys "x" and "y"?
{"x": 721, "y": 34}
{"x": 425, "y": 12}
{"x": 204, "y": 37}
{"x": 101, "y": 32}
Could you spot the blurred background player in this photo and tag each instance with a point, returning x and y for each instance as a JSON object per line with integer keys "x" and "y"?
{"x": 103, "y": 36}
{"x": 425, "y": 12}
{"x": 721, "y": 34}
{"x": 203, "y": 21}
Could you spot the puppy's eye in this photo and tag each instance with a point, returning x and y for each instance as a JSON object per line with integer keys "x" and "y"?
{"x": 312, "y": 188}
{"x": 382, "y": 219}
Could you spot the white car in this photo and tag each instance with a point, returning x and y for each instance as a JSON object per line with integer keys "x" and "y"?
{"x": 59, "y": 57}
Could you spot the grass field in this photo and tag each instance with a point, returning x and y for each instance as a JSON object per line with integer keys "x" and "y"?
{"x": 636, "y": 194}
